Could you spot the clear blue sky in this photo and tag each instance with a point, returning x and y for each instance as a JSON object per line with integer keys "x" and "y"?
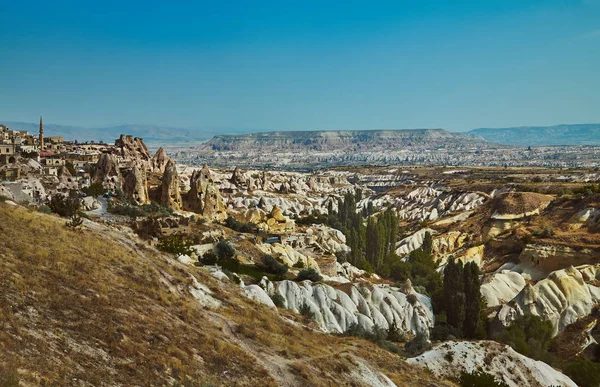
{"x": 301, "y": 64}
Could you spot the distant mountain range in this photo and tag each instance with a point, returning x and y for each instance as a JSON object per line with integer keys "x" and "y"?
{"x": 578, "y": 134}
{"x": 155, "y": 135}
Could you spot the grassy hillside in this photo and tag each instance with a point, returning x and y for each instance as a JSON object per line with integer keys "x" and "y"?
{"x": 97, "y": 307}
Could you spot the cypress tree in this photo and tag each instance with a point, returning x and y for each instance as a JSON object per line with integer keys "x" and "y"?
{"x": 427, "y": 243}
{"x": 472, "y": 301}
{"x": 455, "y": 299}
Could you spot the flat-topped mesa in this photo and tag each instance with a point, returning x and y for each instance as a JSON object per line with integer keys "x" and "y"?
{"x": 135, "y": 186}
{"x": 170, "y": 195}
{"x": 159, "y": 161}
{"x": 294, "y": 141}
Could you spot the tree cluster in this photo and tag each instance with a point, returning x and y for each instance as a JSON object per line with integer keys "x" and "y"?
{"x": 459, "y": 306}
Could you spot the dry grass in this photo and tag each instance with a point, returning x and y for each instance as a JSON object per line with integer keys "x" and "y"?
{"x": 95, "y": 308}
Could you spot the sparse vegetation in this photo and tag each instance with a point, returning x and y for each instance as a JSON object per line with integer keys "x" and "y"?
{"x": 271, "y": 265}
{"x": 176, "y": 243}
{"x": 309, "y": 274}
{"x": 479, "y": 379}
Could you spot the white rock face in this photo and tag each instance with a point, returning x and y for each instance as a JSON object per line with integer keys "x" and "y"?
{"x": 502, "y": 287}
{"x": 202, "y": 293}
{"x": 427, "y": 203}
{"x": 563, "y": 297}
{"x": 335, "y": 310}
{"x": 451, "y": 358}
{"x": 412, "y": 242}
{"x": 258, "y": 294}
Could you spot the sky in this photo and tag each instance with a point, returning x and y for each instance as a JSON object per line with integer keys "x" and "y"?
{"x": 301, "y": 65}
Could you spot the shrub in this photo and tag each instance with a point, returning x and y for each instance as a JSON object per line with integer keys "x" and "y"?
{"x": 176, "y": 243}
{"x": 236, "y": 225}
{"x": 95, "y": 189}
{"x": 584, "y": 372}
{"x": 225, "y": 251}
{"x": 529, "y": 335}
{"x": 209, "y": 258}
{"x": 76, "y": 221}
{"x": 278, "y": 300}
{"x": 306, "y": 311}
{"x": 309, "y": 274}
{"x": 479, "y": 379}
{"x": 395, "y": 334}
{"x": 271, "y": 265}
{"x": 298, "y": 265}
{"x": 65, "y": 205}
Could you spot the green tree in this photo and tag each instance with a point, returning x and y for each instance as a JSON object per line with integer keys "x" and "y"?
{"x": 472, "y": 300}
{"x": 455, "y": 299}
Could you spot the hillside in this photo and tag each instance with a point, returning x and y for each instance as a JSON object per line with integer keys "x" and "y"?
{"x": 579, "y": 134}
{"x": 99, "y": 307}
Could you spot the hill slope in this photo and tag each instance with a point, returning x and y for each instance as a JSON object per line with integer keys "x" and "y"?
{"x": 97, "y": 307}
{"x": 581, "y": 134}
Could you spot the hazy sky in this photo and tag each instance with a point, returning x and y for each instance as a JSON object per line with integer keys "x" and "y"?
{"x": 301, "y": 64}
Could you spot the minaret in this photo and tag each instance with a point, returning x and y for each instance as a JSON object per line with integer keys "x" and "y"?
{"x": 41, "y": 134}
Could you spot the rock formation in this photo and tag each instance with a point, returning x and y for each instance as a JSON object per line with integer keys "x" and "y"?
{"x": 170, "y": 195}
{"x": 159, "y": 161}
{"x": 564, "y": 297}
{"x": 134, "y": 151}
{"x": 451, "y": 358}
{"x": 107, "y": 172}
{"x": 204, "y": 196}
{"x": 135, "y": 186}
{"x": 366, "y": 305}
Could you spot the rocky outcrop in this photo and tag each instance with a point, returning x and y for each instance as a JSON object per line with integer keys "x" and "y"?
{"x": 288, "y": 255}
{"x": 159, "y": 161}
{"x": 134, "y": 151}
{"x": 170, "y": 195}
{"x": 563, "y": 298}
{"x": 500, "y": 288}
{"x": 541, "y": 259}
{"x": 451, "y": 358}
{"x": 204, "y": 196}
{"x": 336, "y": 309}
{"x": 107, "y": 172}
{"x": 135, "y": 186}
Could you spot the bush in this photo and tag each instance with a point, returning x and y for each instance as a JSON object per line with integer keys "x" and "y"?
{"x": 76, "y": 221}
{"x": 209, "y": 258}
{"x": 306, "y": 311}
{"x": 271, "y": 265}
{"x": 95, "y": 189}
{"x": 584, "y": 372}
{"x": 226, "y": 255}
{"x": 236, "y": 225}
{"x": 309, "y": 274}
{"x": 65, "y": 205}
{"x": 176, "y": 243}
{"x": 225, "y": 251}
{"x": 278, "y": 300}
{"x": 529, "y": 335}
{"x": 479, "y": 379}
{"x": 395, "y": 334}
